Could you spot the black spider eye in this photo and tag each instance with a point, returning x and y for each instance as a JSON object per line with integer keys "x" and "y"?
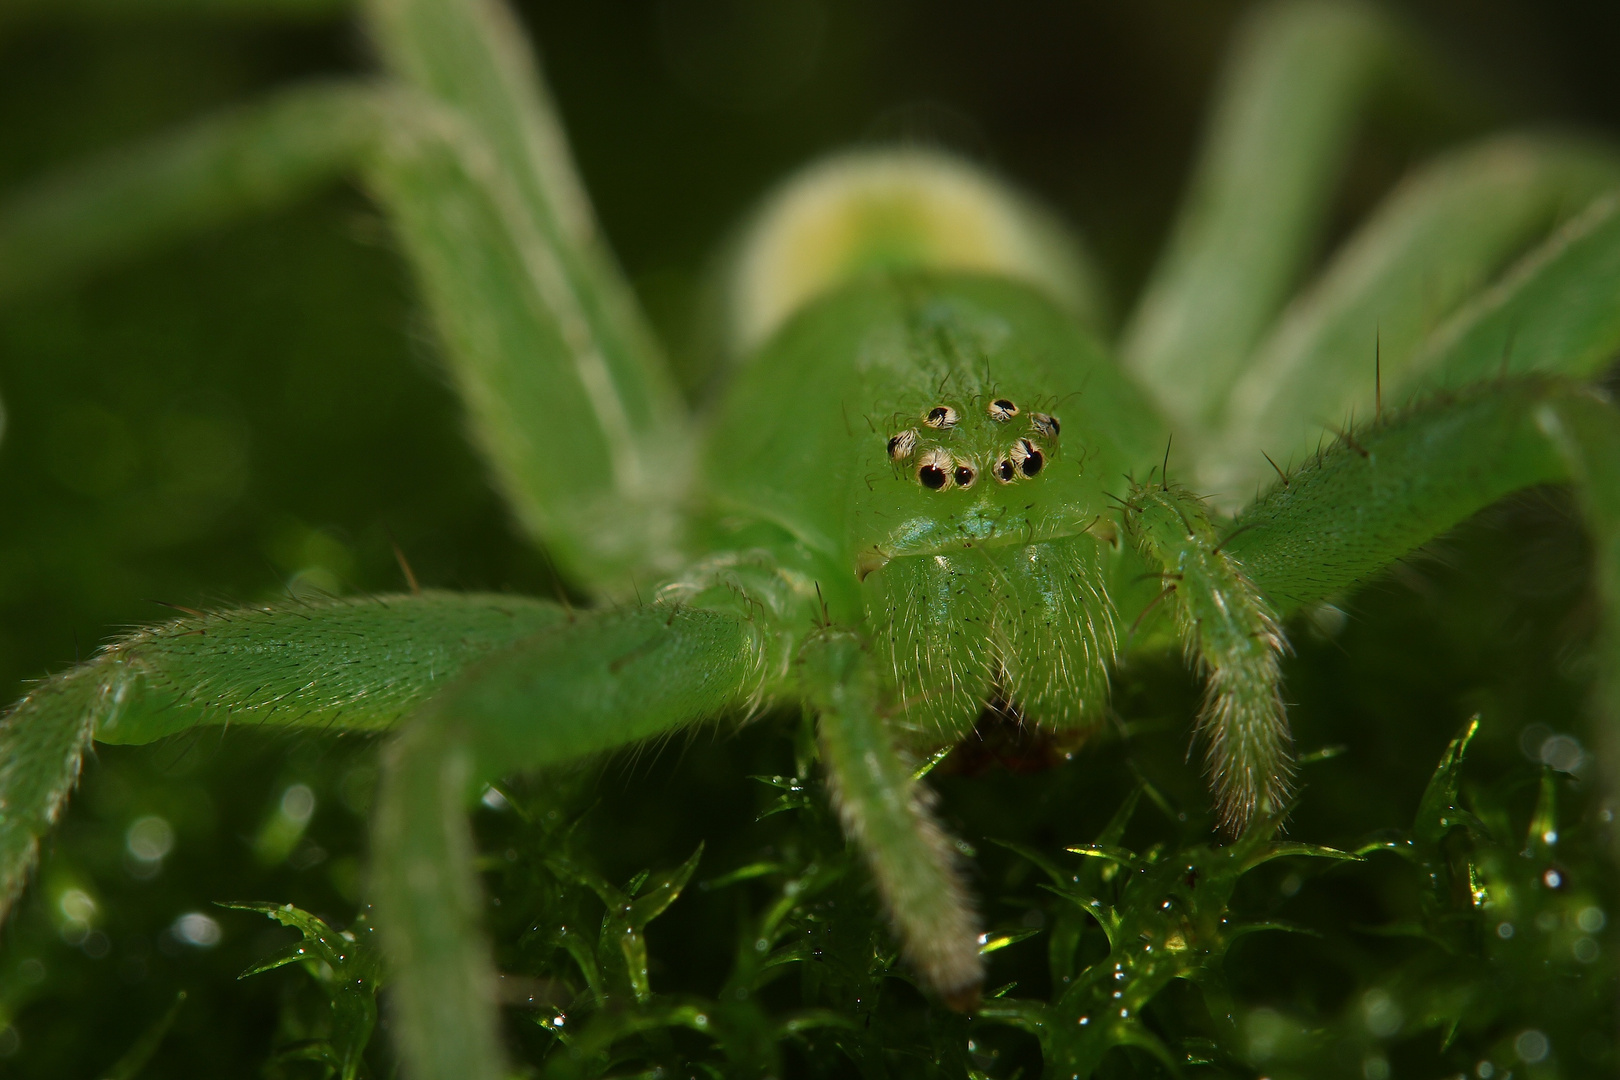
{"x": 1046, "y": 425}
{"x": 1001, "y": 410}
{"x": 901, "y": 446}
{"x": 1004, "y": 471}
{"x": 941, "y": 416}
{"x": 1028, "y": 457}
{"x": 965, "y": 476}
{"x": 931, "y": 477}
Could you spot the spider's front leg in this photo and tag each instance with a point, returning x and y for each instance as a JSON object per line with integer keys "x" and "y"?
{"x": 601, "y": 681}
{"x": 347, "y": 665}
{"x": 1382, "y": 491}
{"x": 885, "y": 811}
{"x": 598, "y": 682}
{"x": 1231, "y": 633}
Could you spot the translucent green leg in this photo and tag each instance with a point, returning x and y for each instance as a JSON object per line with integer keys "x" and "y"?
{"x": 1439, "y": 239}
{"x": 568, "y": 396}
{"x": 1286, "y": 111}
{"x": 1369, "y": 499}
{"x": 248, "y": 160}
{"x": 1228, "y": 628}
{"x": 353, "y": 665}
{"x": 1554, "y": 312}
{"x": 613, "y": 512}
{"x": 603, "y": 680}
{"x": 885, "y": 813}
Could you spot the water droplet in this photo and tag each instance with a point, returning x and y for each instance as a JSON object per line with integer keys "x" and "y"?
{"x": 1380, "y": 1013}
{"x": 1532, "y": 1046}
{"x": 196, "y": 929}
{"x": 148, "y": 839}
{"x": 1563, "y": 753}
{"x": 1504, "y": 930}
{"x": 298, "y": 803}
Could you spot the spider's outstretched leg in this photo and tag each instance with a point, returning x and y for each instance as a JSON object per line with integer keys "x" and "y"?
{"x": 1393, "y": 485}
{"x": 606, "y": 679}
{"x": 355, "y": 665}
{"x": 885, "y": 811}
{"x": 1288, "y": 107}
{"x": 1231, "y": 634}
{"x": 568, "y": 397}
{"x": 1362, "y": 330}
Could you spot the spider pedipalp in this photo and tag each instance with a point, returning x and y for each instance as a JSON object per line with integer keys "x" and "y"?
{"x": 903, "y": 445}
{"x": 1045, "y": 424}
{"x": 942, "y": 417}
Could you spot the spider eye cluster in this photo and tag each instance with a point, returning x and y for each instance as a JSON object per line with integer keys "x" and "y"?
{"x": 939, "y": 468}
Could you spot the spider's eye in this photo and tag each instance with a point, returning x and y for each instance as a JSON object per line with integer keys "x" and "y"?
{"x": 1046, "y": 425}
{"x": 965, "y": 474}
{"x": 1004, "y": 471}
{"x": 1028, "y": 457}
{"x": 901, "y": 446}
{"x": 1001, "y": 410}
{"x": 941, "y": 416}
{"x": 934, "y": 469}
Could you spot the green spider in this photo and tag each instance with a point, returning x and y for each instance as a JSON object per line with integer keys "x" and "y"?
{"x": 928, "y": 488}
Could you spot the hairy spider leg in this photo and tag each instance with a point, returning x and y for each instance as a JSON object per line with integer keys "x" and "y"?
{"x": 886, "y": 811}
{"x": 345, "y": 665}
{"x": 1231, "y": 635}
{"x": 1393, "y": 290}
{"x": 1352, "y": 510}
{"x": 568, "y": 396}
{"x": 606, "y": 679}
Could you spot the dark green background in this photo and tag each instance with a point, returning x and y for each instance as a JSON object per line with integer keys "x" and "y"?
{"x": 260, "y": 410}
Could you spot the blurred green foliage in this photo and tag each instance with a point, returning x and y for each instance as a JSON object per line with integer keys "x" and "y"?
{"x": 259, "y": 412}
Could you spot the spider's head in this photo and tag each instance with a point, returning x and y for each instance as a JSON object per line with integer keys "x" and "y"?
{"x": 981, "y": 467}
